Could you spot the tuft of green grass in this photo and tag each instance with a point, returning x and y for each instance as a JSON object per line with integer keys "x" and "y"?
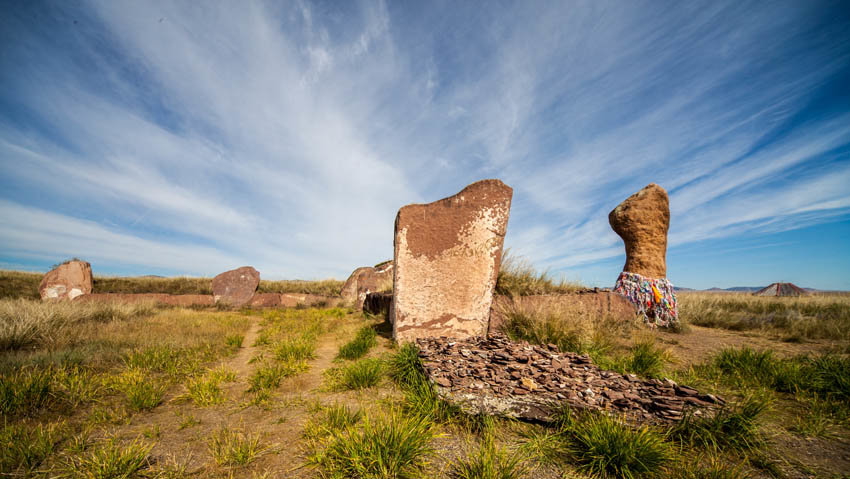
{"x": 110, "y": 460}
{"x": 391, "y": 446}
{"x": 734, "y": 427}
{"x": 300, "y": 348}
{"x": 405, "y": 367}
{"x": 25, "y": 448}
{"x": 331, "y": 419}
{"x": 205, "y": 391}
{"x": 234, "y": 448}
{"x": 143, "y": 392}
{"x": 605, "y": 447}
{"x": 360, "y": 345}
{"x": 420, "y": 398}
{"x": 26, "y": 391}
{"x": 490, "y": 462}
{"x": 646, "y": 359}
{"x": 77, "y": 385}
{"x": 234, "y": 340}
{"x": 365, "y": 373}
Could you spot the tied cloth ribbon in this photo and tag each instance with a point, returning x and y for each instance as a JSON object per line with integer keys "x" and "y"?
{"x": 654, "y": 298}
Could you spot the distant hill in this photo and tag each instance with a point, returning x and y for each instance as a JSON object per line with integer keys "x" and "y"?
{"x": 739, "y": 289}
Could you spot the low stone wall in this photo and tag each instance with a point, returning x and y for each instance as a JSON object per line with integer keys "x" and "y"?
{"x": 259, "y": 300}
{"x": 593, "y": 302}
{"x": 174, "y": 299}
{"x": 495, "y": 375}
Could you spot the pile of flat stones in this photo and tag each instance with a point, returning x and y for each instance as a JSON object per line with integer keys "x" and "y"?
{"x": 494, "y": 375}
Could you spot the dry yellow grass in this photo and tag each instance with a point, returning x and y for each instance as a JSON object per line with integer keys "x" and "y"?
{"x": 822, "y": 316}
{"x": 518, "y": 277}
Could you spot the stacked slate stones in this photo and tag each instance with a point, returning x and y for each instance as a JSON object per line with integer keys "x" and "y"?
{"x": 494, "y": 375}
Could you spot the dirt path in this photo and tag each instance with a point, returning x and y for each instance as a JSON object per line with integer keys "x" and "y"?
{"x": 699, "y": 344}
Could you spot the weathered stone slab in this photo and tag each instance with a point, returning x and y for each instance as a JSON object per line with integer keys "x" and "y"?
{"x": 236, "y": 287}
{"x": 497, "y": 376}
{"x": 642, "y": 220}
{"x": 294, "y": 300}
{"x": 593, "y": 305}
{"x": 265, "y": 300}
{"x": 364, "y": 281}
{"x": 67, "y": 281}
{"x": 447, "y": 256}
{"x": 172, "y": 299}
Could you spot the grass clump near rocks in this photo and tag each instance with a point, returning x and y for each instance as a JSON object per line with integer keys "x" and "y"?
{"x": 489, "y": 461}
{"x": 604, "y": 446}
{"x": 420, "y": 399}
{"x": 362, "y": 374}
{"x": 646, "y": 359}
{"x": 517, "y": 277}
{"x": 360, "y": 345}
{"x": 734, "y": 427}
{"x": 392, "y": 445}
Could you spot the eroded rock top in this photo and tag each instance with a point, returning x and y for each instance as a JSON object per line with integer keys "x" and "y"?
{"x": 494, "y": 375}
{"x": 642, "y": 220}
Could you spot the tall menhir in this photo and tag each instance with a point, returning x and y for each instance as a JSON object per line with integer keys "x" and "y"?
{"x": 642, "y": 220}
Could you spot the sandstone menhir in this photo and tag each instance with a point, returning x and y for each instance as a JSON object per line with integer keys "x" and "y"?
{"x": 364, "y": 281}
{"x": 67, "y": 281}
{"x": 236, "y": 287}
{"x": 447, "y": 256}
{"x": 642, "y": 220}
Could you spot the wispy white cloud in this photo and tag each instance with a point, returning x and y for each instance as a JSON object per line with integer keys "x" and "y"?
{"x": 287, "y": 135}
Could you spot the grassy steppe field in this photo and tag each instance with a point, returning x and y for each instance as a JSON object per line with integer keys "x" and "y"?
{"x": 20, "y": 284}
{"x": 107, "y": 390}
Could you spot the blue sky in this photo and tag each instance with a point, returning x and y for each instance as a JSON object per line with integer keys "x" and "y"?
{"x": 193, "y": 137}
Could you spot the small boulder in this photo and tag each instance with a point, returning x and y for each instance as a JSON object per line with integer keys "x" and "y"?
{"x": 367, "y": 280}
{"x": 67, "y": 281}
{"x": 642, "y": 220}
{"x": 236, "y": 287}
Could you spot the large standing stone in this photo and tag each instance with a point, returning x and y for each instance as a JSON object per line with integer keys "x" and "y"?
{"x": 366, "y": 280}
{"x": 236, "y": 287}
{"x": 642, "y": 221}
{"x": 67, "y": 281}
{"x": 447, "y": 256}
